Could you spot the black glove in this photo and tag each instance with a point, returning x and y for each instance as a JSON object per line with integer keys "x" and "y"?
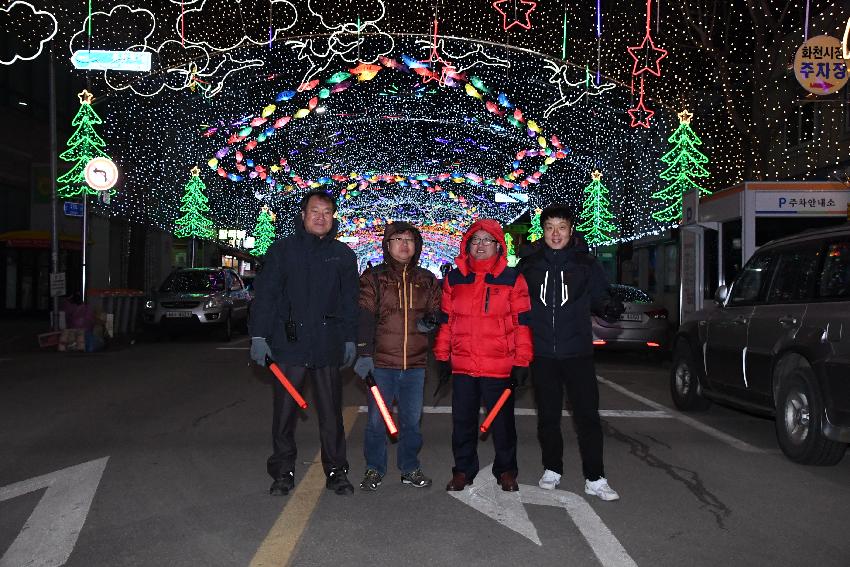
{"x": 445, "y": 371}
{"x": 519, "y": 376}
{"x": 427, "y": 323}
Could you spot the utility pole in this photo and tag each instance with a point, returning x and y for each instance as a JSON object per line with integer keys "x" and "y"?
{"x": 54, "y": 173}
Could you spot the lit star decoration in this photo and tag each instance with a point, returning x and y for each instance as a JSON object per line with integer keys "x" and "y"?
{"x": 596, "y": 212}
{"x": 193, "y": 224}
{"x": 528, "y": 6}
{"x": 647, "y": 59}
{"x": 263, "y": 233}
{"x": 684, "y": 163}
{"x": 83, "y": 145}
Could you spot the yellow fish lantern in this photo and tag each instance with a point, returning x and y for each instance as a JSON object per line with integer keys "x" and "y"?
{"x": 301, "y": 113}
{"x": 471, "y": 91}
{"x": 542, "y": 141}
{"x": 267, "y": 111}
{"x": 213, "y": 163}
{"x": 532, "y": 125}
{"x": 275, "y": 168}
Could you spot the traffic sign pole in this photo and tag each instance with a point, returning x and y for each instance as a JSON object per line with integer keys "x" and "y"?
{"x": 54, "y": 173}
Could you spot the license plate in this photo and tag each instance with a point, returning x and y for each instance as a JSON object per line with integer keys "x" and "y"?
{"x": 178, "y": 314}
{"x": 631, "y": 317}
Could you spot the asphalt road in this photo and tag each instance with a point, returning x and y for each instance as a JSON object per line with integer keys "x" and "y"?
{"x": 155, "y": 455}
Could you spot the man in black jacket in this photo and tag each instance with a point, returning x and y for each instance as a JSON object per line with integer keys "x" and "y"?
{"x": 304, "y": 317}
{"x": 566, "y": 284}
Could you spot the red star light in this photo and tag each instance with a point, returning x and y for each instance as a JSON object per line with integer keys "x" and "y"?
{"x": 647, "y": 51}
{"x": 640, "y": 115}
{"x": 528, "y": 7}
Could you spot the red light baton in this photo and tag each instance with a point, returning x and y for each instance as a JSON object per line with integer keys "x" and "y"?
{"x": 286, "y": 383}
{"x": 488, "y": 421}
{"x": 382, "y": 406}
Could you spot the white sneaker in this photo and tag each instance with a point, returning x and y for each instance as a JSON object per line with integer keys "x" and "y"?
{"x": 599, "y": 488}
{"x": 549, "y": 480}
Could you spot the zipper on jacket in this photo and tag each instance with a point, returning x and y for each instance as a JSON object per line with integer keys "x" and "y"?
{"x": 404, "y": 307}
{"x": 554, "y": 334}
{"x": 487, "y": 300}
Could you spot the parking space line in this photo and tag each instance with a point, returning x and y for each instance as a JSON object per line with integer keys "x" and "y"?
{"x": 653, "y": 414}
{"x": 279, "y": 545}
{"x": 232, "y": 348}
{"x": 698, "y": 425}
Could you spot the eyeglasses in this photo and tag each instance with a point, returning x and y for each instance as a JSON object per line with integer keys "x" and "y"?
{"x": 400, "y": 240}
{"x": 483, "y": 241}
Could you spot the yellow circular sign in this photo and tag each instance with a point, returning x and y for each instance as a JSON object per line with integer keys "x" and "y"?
{"x": 819, "y": 65}
{"x": 101, "y": 174}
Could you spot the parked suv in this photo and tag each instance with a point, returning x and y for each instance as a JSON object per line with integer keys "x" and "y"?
{"x": 779, "y": 343}
{"x": 199, "y": 297}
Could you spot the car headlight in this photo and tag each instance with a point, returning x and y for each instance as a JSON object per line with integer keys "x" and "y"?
{"x": 212, "y": 303}
{"x": 150, "y": 304}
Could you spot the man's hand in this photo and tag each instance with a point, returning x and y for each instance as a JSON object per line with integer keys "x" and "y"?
{"x": 519, "y": 376}
{"x": 349, "y": 355}
{"x": 260, "y": 350}
{"x": 364, "y": 366}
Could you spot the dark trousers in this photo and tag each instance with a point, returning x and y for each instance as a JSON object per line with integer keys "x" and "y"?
{"x": 468, "y": 394}
{"x": 327, "y": 399}
{"x": 577, "y": 376}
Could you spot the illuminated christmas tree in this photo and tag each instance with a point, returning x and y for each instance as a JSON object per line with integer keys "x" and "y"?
{"x": 596, "y": 213}
{"x": 263, "y": 231}
{"x": 684, "y": 164}
{"x": 509, "y": 240}
{"x": 83, "y": 145}
{"x": 535, "y": 232}
{"x": 194, "y": 204}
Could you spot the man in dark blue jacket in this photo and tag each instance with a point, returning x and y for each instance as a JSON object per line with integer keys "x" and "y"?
{"x": 304, "y": 317}
{"x": 566, "y": 284}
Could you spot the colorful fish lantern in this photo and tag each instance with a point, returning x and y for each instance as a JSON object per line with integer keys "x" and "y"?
{"x": 285, "y": 95}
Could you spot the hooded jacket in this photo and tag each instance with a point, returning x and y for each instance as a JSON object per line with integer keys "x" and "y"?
{"x": 312, "y": 282}
{"x": 393, "y": 299}
{"x": 565, "y": 286}
{"x": 485, "y": 313}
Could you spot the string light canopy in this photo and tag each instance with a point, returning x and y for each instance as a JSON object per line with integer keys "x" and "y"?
{"x": 397, "y": 129}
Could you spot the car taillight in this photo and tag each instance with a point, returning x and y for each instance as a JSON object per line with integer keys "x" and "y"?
{"x": 657, "y": 313}
{"x": 599, "y": 342}
{"x": 652, "y": 345}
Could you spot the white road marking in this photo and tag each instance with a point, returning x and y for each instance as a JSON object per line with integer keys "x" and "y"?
{"x": 707, "y": 429}
{"x": 504, "y": 507}
{"x": 653, "y": 414}
{"x": 233, "y": 348}
{"x": 49, "y": 535}
{"x": 508, "y": 508}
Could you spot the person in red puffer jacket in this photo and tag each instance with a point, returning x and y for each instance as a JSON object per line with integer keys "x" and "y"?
{"x": 484, "y": 343}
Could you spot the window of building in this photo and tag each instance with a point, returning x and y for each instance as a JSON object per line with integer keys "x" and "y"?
{"x": 732, "y": 250}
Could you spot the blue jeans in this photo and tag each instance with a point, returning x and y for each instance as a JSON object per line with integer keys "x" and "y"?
{"x": 407, "y": 387}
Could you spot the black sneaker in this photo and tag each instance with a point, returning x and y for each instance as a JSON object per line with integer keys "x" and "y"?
{"x": 338, "y": 482}
{"x": 281, "y": 486}
{"x": 416, "y": 478}
{"x": 371, "y": 480}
